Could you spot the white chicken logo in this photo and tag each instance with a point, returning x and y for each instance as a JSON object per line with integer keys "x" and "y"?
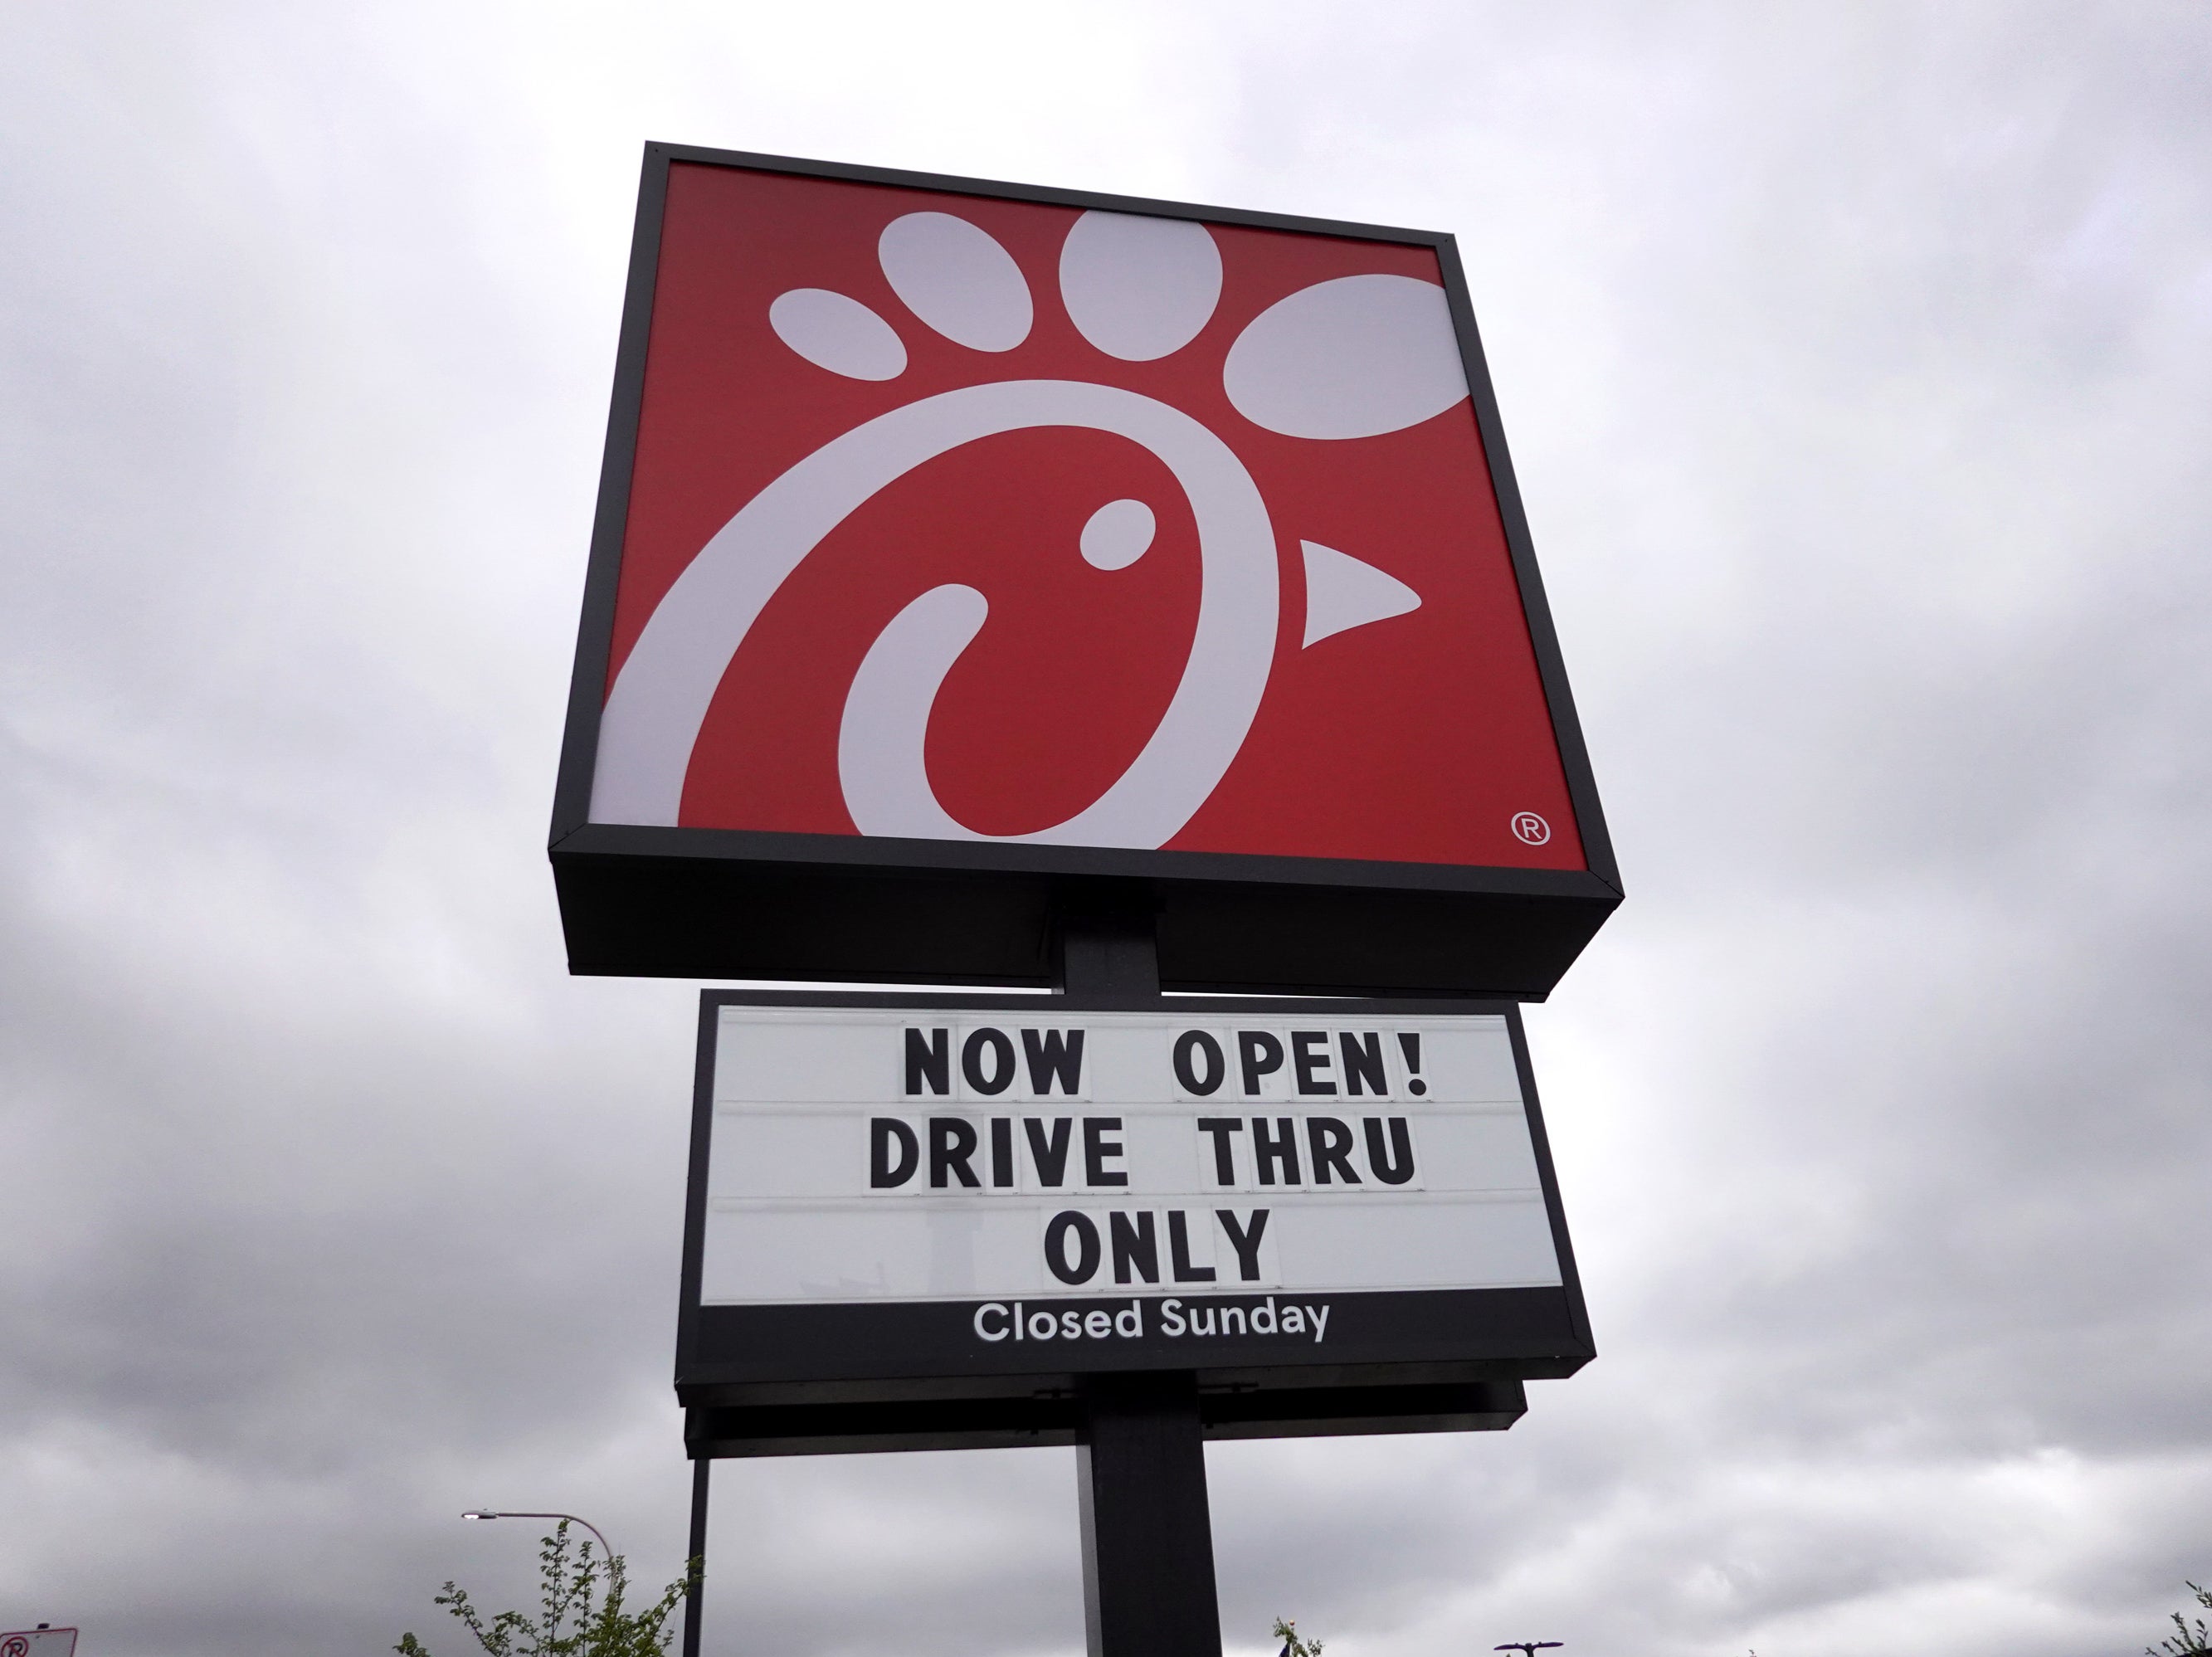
{"x": 1356, "y": 356}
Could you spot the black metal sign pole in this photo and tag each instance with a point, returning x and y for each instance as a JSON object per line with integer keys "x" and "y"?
{"x": 1147, "y": 1534}
{"x": 696, "y": 1553}
{"x": 1148, "y": 1588}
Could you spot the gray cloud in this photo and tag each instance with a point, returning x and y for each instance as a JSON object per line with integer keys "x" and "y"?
{"x": 1854, "y": 363}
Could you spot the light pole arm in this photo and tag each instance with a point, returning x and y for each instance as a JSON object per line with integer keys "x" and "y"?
{"x": 605, "y": 1551}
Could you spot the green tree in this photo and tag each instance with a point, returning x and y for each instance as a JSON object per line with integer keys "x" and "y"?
{"x": 1287, "y": 1630}
{"x": 575, "y": 1618}
{"x": 2187, "y": 1639}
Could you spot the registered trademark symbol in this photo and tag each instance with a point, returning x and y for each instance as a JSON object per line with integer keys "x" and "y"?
{"x": 1527, "y": 826}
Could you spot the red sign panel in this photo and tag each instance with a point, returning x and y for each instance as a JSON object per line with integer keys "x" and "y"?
{"x": 958, "y": 518}
{"x": 991, "y": 518}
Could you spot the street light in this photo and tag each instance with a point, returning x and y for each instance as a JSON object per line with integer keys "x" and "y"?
{"x": 603, "y": 1549}
{"x": 1528, "y": 1648}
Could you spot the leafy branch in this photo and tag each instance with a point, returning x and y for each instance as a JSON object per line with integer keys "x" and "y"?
{"x": 581, "y": 1611}
{"x": 1287, "y": 1630}
{"x": 2186, "y": 1641}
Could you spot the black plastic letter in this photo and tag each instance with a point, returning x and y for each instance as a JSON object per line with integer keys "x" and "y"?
{"x": 1187, "y": 1048}
{"x": 1096, "y": 1148}
{"x": 1179, "y": 1251}
{"x": 951, "y": 1143}
{"x": 1362, "y": 1063}
{"x": 1245, "y": 1241}
{"x": 1274, "y": 1152}
{"x": 883, "y": 1132}
{"x": 1055, "y": 1056}
{"x": 1224, "y": 1157}
{"x": 1001, "y": 1076}
{"x": 1309, "y": 1060}
{"x": 1086, "y": 1264}
{"x": 1049, "y": 1151}
{"x": 1136, "y": 1244}
{"x": 1393, "y": 1163}
{"x": 1330, "y": 1142}
{"x": 929, "y": 1062}
{"x": 1259, "y": 1054}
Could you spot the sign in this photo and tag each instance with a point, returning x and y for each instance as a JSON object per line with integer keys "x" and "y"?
{"x": 959, "y": 541}
{"x": 40, "y": 1641}
{"x": 898, "y": 1204}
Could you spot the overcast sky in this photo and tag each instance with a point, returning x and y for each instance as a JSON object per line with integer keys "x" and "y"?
{"x": 1857, "y": 362}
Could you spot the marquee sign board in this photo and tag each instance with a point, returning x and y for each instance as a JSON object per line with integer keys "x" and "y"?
{"x": 919, "y": 1221}
{"x": 960, "y": 542}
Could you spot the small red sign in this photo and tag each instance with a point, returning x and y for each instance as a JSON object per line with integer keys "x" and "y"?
{"x": 963, "y": 518}
{"x": 40, "y": 1642}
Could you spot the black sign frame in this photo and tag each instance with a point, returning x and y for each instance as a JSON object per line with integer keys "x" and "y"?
{"x": 832, "y": 1379}
{"x": 656, "y": 901}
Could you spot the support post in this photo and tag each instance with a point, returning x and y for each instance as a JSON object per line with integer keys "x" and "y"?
{"x": 1108, "y": 950}
{"x": 697, "y": 1550}
{"x": 1148, "y": 1588}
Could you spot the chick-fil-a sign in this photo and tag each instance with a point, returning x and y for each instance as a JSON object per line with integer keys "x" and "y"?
{"x": 958, "y": 518}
